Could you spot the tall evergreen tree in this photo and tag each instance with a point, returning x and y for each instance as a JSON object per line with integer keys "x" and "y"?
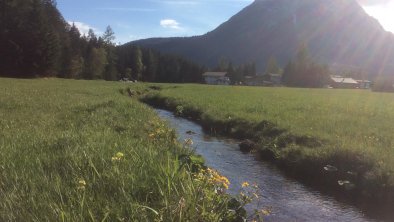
{"x": 110, "y": 69}
{"x": 75, "y": 40}
{"x": 272, "y": 67}
{"x": 288, "y": 72}
{"x": 304, "y": 72}
{"x": 108, "y": 36}
{"x": 74, "y": 54}
{"x": 12, "y": 37}
{"x": 95, "y": 63}
{"x": 137, "y": 64}
{"x": 151, "y": 66}
{"x": 92, "y": 38}
{"x": 249, "y": 69}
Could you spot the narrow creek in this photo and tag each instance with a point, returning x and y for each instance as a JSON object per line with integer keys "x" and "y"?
{"x": 289, "y": 199}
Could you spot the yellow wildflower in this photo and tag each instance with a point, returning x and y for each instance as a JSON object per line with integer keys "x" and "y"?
{"x": 225, "y": 180}
{"x": 81, "y": 184}
{"x": 245, "y": 184}
{"x": 217, "y": 179}
{"x": 118, "y": 156}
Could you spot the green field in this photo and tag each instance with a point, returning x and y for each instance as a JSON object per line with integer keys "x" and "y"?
{"x": 303, "y": 128}
{"x": 84, "y": 151}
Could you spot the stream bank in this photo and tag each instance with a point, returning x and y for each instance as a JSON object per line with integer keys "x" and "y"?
{"x": 318, "y": 174}
{"x": 288, "y": 199}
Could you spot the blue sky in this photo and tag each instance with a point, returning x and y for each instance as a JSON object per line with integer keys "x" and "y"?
{"x": 138, "y": 19}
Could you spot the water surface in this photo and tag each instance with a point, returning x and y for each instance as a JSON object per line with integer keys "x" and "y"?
{"x": 289, "y": 199}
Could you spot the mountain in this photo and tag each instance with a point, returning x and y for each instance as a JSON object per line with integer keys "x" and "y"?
{"x": 337, "y": 32}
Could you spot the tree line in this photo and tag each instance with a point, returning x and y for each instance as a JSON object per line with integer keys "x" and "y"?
{"x": 36, "y": 41}
{"x": 301, "y": 71}
{"x": 151, "y": 66}
{"x": 236, "y": 73}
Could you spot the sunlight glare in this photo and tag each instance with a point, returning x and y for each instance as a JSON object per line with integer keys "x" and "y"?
{"x": 384, "y": 14}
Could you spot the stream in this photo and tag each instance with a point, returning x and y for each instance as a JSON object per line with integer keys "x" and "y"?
{"x": 288, "y": 199}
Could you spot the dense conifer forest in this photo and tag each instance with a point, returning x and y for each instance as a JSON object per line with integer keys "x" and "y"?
{"x": 36, "y": 41}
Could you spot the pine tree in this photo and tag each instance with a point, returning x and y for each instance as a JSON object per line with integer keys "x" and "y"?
{"x": 111, "y": 72}
{"x": 95, "y": 63}
{"x": 304, "y": 72}
{"x": 108, "y": 36}
{"x": 249, "y": 69}
{"x": 51, "y": 53}
{"x": 272, "y": 67}
{"x": 92, "y": 38}
{"x": 42, "y": 48}
{"x": 75, "y": 40}
{"x": 12, "y": 23}
{"x": 72, "y": 57}
{"x": 137, "y": 64}
{"x": 110, "y": 69}
{"x": 287, "y": 77}
{"x": 151, "y": 66}
{"x": 33, "y": 54}
{"x": 76, "y": 67}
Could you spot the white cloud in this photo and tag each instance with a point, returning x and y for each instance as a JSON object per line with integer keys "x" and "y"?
{"x": 84, "y": 28}
{"x": 170, "y": 23}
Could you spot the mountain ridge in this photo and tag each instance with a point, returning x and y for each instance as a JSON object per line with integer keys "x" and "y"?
{"x": 337, "y": 32}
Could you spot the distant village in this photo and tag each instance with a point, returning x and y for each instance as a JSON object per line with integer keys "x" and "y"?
{"x": 273, "y": 79}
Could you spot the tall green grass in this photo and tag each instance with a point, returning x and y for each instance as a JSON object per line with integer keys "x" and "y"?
{"x": 82, "y": 151}
{"x": 354, "y": 128}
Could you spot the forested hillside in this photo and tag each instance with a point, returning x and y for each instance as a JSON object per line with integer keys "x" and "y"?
{"x": 36, "y": 41}
{"x": 337, "y": 32}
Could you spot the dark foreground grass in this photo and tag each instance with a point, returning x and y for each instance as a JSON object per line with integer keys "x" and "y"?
{"x": 303, "y": 130}
{"x": 82, "y": 151}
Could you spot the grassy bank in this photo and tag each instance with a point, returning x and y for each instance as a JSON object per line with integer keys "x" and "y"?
{"x": 83, "y": 151}
{"x": 342, "y": 138}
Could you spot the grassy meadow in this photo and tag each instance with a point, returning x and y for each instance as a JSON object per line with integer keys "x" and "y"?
{"x": 351, "y": 130}
{"x": 84, "y": 151}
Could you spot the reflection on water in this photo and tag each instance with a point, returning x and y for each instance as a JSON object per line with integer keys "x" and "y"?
{"x": 290, "y": 200}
